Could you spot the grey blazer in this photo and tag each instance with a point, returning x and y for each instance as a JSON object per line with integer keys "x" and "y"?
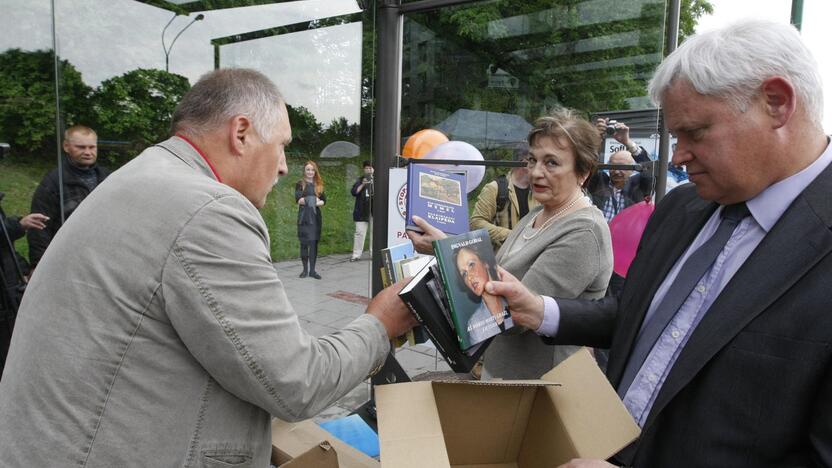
{"x": 155, "y": 331}
{"x": 572, "y": 258}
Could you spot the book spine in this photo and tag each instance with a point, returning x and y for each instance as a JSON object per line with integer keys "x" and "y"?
{"x": 408, "y": 300}
{"x": 387, "y": 260}
{"x": 443, "y": 270}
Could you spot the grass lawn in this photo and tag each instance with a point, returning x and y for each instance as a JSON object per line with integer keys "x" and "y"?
{"x": 19, "y": 179}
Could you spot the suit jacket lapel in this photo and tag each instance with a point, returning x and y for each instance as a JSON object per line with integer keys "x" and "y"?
{"x": 793, "y": 246}
{"x": 650, "y": 267}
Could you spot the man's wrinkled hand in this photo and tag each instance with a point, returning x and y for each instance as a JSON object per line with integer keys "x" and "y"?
{"x": 391, "y": 311}
{"x": 423, "y": 241}
{"x": 525, "y": 306}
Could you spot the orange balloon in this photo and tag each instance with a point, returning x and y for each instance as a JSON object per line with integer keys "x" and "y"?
{"x": 421, "y": 142}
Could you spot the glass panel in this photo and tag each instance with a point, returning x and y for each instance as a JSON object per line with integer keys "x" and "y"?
{"x": 484, "y": 72}
{"x": 324, "y": 93}
{"x": 117, "y": 53}
{"x": 27, "y": 116}
{"x": 126, "y": 63}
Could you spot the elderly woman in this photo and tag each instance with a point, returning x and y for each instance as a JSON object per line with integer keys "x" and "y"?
{"x": 561, "y": 248}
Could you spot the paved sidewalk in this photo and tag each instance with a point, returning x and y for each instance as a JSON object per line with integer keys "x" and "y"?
{"x": 332, "y": 302}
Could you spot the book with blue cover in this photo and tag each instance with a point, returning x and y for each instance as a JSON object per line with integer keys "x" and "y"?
{"x": 439, "y": 197}
{"x": 466, "y": 263}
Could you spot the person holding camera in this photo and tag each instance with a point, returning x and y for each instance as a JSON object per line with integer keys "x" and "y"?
{"x": 13, "y": 271}
{"x": 362, "y": 190}
{"x": 621, "y": 133}
{"x": 619, "y": 189}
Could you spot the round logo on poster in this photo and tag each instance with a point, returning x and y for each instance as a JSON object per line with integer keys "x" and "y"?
{"x": 401, "y": 200}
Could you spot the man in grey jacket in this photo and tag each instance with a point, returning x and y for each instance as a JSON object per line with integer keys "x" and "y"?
{"x": 155, "y": 331}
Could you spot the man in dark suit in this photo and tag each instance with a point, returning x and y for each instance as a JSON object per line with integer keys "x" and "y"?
{"x": 721, "y": 341}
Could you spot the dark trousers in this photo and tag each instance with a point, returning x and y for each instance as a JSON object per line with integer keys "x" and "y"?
{"x": 309, "y": 253}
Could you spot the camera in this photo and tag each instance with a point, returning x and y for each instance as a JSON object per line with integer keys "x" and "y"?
{"x": 611, "y": 128}
{"x": 5, "y": 149}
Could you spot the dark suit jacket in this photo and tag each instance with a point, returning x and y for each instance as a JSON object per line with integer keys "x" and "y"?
{"x": 753, "y": 385}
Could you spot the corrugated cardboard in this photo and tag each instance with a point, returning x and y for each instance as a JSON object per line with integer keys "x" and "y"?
{"x": 571, "y": 412}
{"x": 306, "y": 445}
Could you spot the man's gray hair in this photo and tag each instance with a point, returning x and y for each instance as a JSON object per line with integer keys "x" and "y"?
{"x": 221, "y": 94}
{"x": 732, "y": 63}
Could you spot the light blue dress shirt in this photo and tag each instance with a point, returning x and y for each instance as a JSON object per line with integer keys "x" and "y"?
{"x": 766, "y": 209}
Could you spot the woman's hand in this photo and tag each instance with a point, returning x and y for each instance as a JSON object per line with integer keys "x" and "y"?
{"x": 34, "y": 221}
{"x": 525, "y": 306}
{"x": 423, "y": 241}
{"x": 319, "y": 202}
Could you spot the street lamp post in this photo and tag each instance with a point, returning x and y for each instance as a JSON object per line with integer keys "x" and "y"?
{"x": 167, "y": 49}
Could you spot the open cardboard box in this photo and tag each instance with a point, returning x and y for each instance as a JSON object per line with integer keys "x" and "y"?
{"x": 306, "y": 445}
{"x": 571, "y": 412}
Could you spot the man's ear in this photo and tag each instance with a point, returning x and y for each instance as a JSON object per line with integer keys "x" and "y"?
{"x": 242, "y": 134}
{"x": 779, "y": 99}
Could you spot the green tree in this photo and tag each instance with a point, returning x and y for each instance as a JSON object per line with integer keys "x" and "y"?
{"x": 306, "y": 131}
{"x": 587, "y": 55}
{"x": 341, "y": 130}
{"x": 137, "y": 106}
{"x": 27, "y": 100}
{"x": 691, "y": 11}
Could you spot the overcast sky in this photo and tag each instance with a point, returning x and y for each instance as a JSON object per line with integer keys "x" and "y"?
{"x": 816, "y": 16}
{"x": 320, "y": 70}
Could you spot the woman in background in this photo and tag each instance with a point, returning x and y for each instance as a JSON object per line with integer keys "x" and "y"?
{"x": 310, "y": 197}
{"x": 561, "y": 248}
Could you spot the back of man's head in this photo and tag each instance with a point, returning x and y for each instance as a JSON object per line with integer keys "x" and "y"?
{"x": 222, "y": 94}
{"x": 732, "y": 63}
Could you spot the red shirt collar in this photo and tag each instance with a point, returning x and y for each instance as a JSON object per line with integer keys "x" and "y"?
{"x": 194, "y": 146}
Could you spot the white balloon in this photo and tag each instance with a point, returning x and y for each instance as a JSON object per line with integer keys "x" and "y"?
{"x": 459, "y": 150}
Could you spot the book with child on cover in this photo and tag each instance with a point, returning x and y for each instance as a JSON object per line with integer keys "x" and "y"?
{"x": 466, "y": 263}
{"x": 438, "y": 197}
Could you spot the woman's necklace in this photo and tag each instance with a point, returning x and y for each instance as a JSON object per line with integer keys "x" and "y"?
{"x": 552, "y": 218}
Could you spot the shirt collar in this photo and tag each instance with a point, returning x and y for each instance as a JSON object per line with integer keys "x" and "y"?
{"x": 204, "y": 158}
{"x": 771, "y": 203}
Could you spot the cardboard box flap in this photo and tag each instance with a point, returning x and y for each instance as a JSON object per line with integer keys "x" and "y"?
{"x": 407, "y": 417}
{"x": 484, "y": 424}
{"x": 588, "y": 408}
{"x": 500, "y": 383}
{"x": 321, "y": 456}
{"x": 294, "y": 439}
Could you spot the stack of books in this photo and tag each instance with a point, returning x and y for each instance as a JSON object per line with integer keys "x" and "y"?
{"x": 448, "y": 298}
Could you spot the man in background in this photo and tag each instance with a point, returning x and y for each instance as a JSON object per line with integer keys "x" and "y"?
{"x": 503, "y": 202}
{"x": 81, "y": 175}
{"x": 156, "y": 330}
{"x": 13, "y": 271}
{"x": 362, "y": 190}
{"x": 619, "y": 189}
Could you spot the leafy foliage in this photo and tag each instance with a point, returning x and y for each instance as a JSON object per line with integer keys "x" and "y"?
{"x": 27, "y": 99}
{"x": 137, "y": 106}
{"x": 591, "y": 56}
